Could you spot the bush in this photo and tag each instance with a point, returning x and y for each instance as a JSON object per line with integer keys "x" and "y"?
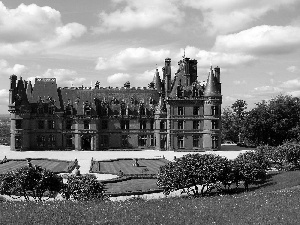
{"x": 192, "y": 170}
{"x": 249, "y": 167}
{"x": 30, "y": 181}
{"x": 84, "y": 187}
{"x": 283, "y": 157}
{"x": 290, "y": 154}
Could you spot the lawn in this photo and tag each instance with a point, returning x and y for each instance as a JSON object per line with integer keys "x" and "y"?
{"x": 275, "y": 202}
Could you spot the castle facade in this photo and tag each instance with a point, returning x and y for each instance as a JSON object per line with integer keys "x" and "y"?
{"x": 178, "y": 114}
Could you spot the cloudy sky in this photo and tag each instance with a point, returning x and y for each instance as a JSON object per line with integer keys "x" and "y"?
{"x": 256, "y": 43}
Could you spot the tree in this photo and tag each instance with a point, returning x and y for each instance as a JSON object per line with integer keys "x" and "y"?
{"x": 192, "y": 170}
{"x": 30, "y": 181}
{"x": 83, "y": 187}
{"x": 274, "y": 122}
{"x": 233, "y": 120}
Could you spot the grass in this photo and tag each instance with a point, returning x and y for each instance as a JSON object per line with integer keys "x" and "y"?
{"x": 268, "y": 204}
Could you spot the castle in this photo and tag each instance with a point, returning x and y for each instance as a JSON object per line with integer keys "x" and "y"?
{"x": 177, "y": 114}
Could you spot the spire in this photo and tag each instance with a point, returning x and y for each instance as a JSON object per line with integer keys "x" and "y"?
{"x": 212, "y": 85}
{"x": 157, "y": 81}
{"x": 29, "y": 89}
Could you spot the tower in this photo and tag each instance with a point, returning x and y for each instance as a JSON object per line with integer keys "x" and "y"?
{"x": 212, "y": 110}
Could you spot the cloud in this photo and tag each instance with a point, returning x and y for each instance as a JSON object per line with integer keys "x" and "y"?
{"x": 141, "y": 14}
{"x": 293, "y": 69}
{"x": 261, "y": 40}
{"x": 132, "y": 57}
{"x": 216, "y": 58}
{"x": 230, "y": 16}
{"x": 289, "y": 87}
{"x": 6, "y": 69}
{"x": 239, "y": 82}
{"x": 118, "y": 79}
{"x": 268, "y": 89}
{"x": 4, "y": 97}
{"x": 64, "y": 77}
{"x": 30, "y": 29}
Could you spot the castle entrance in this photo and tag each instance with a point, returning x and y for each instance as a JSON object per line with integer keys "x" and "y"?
{"x": 86, "y": 142}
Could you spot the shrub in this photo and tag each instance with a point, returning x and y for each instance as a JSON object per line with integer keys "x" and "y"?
{"x": 283, "y": 157}
{"x": 191, "y": 170}
{"x": 84, "y": 187}
{"x": 290, "y": 154}
{"x": 249, "y": 167}
{"x": 30, "y": 181}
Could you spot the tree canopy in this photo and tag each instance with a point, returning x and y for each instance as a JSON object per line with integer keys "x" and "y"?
{"x": 270, "y": 122}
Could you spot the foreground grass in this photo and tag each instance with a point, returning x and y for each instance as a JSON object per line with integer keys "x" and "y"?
{"x": 267, "y": 205}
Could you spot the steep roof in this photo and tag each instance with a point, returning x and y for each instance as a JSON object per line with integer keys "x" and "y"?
{"x": 212, "y": 86}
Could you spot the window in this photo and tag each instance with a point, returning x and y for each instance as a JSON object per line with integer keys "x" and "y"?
{"x": 69, "y": 124}
{"x": 124, "y": 141}
{"x": 162, "y": 125}
{"x": 180, "y": 142}
{"x": 151, "y": 124}
{"x": 215, "y": 142}
{"x": 152, "y": 140}
{"x": 180, "y": 111}
{"x": 124, "y": 124}
{"x": 104, "y": 141}
{"x": 69, "y": 141}
{"x": 214, "y": 110}
{"x": 18, "y": 142}
{"x": 51, "y": 141}
{"x": 143, "y": 124}
{"x": 196, "y": 125}
{"x": 104, "y": 124}
{"x": 86, "y": 124}
{"x": 195, "y": 141}
{"x": 180, "y": 125}
{"x": 41, "y": 124}
{"x": 41, "y": 141}
{"x": 142, "y": 140}
{"x": 51, "y": 124}
{"x": 196, "y": 110}
{"x": 163, "y": 141}
{"x": 18, "y": 124}
{"x": 214, "y": 124}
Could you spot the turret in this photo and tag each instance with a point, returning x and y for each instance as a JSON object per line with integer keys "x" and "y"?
{"x": 167, "y": 75}
{"x": 157, "y": 81}
{"x": 29, "y": 90}
{"x": 187, "y": 72}
{"x": 13, "y": 82}
{"x": 212, "y": 85}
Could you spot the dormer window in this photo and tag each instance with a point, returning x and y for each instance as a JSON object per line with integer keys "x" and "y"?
{"x": 69, "y": 110}
{"x": 87, "y": 109}
{"x": 142, "y": 109}
{"x": 123, "y": 109}
{"x": 40, "y": 109}
{"x": 51, "y": 109}
{"x": 69, "y": 124}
